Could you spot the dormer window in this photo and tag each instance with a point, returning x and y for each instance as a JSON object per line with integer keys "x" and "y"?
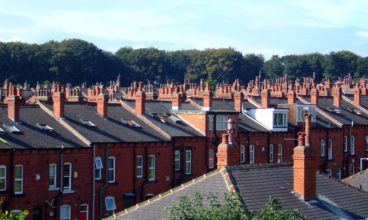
{"x": 12, "y": 129}
{"x": 280, "y": 119}
{"x": 87, "y": 122}
{"x": 44, "y": 127}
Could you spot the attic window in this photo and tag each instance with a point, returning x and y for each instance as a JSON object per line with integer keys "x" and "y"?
{"x": 12, "y": 129}
{"x": 175, "y": 119}
{"x": 44, "y": 127}
{"x": 132, "y": 123}
{"x": 87, "y": 122}
{"x": 334, "y": 110}
{"x": 357, "y": 112}
{"x": 160, "y": 117}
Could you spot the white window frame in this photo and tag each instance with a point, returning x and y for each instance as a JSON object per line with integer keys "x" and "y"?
{"x": 279, "y": 153}
{"x": 3, "y": 178}
{"x": 277, "y": 116}
{"x": 18, "y": 179}
{"x": 323, "y": 147}
{"x": 352, "y": 145}
{"x": 346, "y": 143}
{"x": 151, "y": 167}
{"x": 98, "y": 168}
{"x": 271, "y": 153}
{"x": 53, "y": 168}
{"x": 251, "y": 154}
{"x": 112, "y": 170}
{"x": 139, "y": 161}
{"x": 221, "y": 122}
{"x": 188, "y": 162}
{"x": 113, "y": 207}
{"x": 242, "y": 154}
{"x": 68, "y": 208}
{"x": 86, "y": 211}
{"x": 177, "y": 160}
{"x": 211, "y": 159}
{"x": 330, "y": 149}
{"x": 69, "y": 176}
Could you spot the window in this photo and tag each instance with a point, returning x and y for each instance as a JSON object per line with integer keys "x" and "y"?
{"x": 177, "y": 160}
{"x": 329, "y": 172}
{"x": 210, "y": 122}
{"x": 139, "y": 166}
{"x": 188, "y": 162}
{"x": 366, "y": 143}
{"x": 111, "y": 170}
{"x": 271, "y": 153}
{"x": 52, "y": 176}
{"x": 2, "y": 178}
{"x": 221, "y": 122}
{"x": 83, "y": 211}
{"x": 351, "y": 169}
{"x": 352, "y": 145}
{"x": 211, "y": 159}
{"x": 279, "y": 154}
{"x": 110, "y": 203}
{"x": 18, "y": 180}
{"x": 338, "y": 174}
{"x": 65, "y": 212}
{"x": 251, "y": 154}
{"x": 98, "y": 168}
{"x": 67, "y": 176}
{"x": 279, "y": 119}
{"x": 346, "y": 143}
{"x": 152, "y": 168}
{"x": 242, "y": 153}
{"x": 323, "y": 146}
{"x": 330, "y": 149}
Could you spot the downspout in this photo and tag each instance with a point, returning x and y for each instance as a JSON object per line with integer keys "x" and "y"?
{"x": 173, "y": 161}
{"x": 93, "y": 180}
{"x": 145, "y": 172}
{"x": 60, "y": 194}
{"x": 134, "y": 169}
{"x": 216, "y": 138}
{"x": 102, "y": 189}
{"x": 268, "y": 147}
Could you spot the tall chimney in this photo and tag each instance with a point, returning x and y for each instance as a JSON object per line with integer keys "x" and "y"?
{"x": 305, "y": 166}
{"x": 58, "y": 98}
{"x": 291, "y": 97}
{"x": 238, "y": 101}
{"x": 314, "y": 96}
{"x": 13, "y": 104}
{"x": 176, "y": 101}
{"x": 337, "y": 96}
{"x": 265, "y": 98}
{"x": 227, "y": 154}
{"x": 102, "y": 100}
{"x": 140, "y": 100}
{"x": 207, "y": 98}
{"x": 357, "y": 96}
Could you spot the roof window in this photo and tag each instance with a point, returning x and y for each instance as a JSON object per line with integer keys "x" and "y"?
{"x": 44, "y": 127}
{"x": 87, "y": 122}
{"x": 12, "y": 129}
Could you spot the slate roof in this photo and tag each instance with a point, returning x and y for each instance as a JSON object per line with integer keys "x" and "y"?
{"x": 346, "y": 114}
{"x": 32, "y": 137}
{"x": 110, "y": 129}
{"x": 174, "y": 129}
{"x": 248, "y": 124}
{"x": 255, "y": 184}
{"x": 358, "y": 180}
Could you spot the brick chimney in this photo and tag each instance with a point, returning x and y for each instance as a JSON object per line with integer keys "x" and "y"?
{"x": 102, "y": 100}
{"x": 140, "y": 100}
{"x": 265, "y": 98}
{"x": 291, "y": 97}
{"x": 314, "y": 96}
{"x": 357, "y": 96}
{"x": 305, "y": 165}
{"x": 337, "y": 96}
{"x": 207, "y": 98}
{"x": 238, "y": 101}
{"x": 58, "y": 98}
{"x": 227, "y": 151}
{"x": 13, "y": 104}
{"x": 176, "y": 101}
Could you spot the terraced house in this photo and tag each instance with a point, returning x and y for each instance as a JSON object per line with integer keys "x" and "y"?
{"x": 77, "y": 152}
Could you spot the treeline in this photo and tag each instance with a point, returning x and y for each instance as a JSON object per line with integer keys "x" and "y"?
{"x": 77, "y": 61}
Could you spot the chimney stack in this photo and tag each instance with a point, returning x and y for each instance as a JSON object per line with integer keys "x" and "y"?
{"x": 265, "y": 98}
{"x": 291, "y": 97}
{"x": 140, "y": 100}
{"x": 58, "y": 98}
{"x": 357, "y": 96}
{"x": 238, "y": 101}
{"x": 227, "y": 151}
{"x": 207, "y": 98}
{"x": 305, "y": 165}
{"x": 102, "y": 100}
{"x": 314, "y": 96}
{"x": 13, "y": 104}
{"x": 176, "y": 101}
{"x": 337, "y": 96}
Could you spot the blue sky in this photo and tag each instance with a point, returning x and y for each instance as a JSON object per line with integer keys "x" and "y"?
{"x": 259, "y": 26}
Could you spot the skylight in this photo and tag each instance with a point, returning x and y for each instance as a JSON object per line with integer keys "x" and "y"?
{"x": 132, "y": 123}
{"x": 44, "y": 127}
{"x": 87, "y": 122}
{"x": 2, "y": 131}
{"x": 11, "y": 129}
{"x": 175, "y": 119}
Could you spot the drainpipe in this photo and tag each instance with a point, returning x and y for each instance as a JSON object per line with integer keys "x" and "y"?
{"x": 93, "y": 180}
{"x": 173, "y": 160}
{"x": 102, "y": 189}
{"x": 145, "y": 172}
{"x": 216, "y": 138}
